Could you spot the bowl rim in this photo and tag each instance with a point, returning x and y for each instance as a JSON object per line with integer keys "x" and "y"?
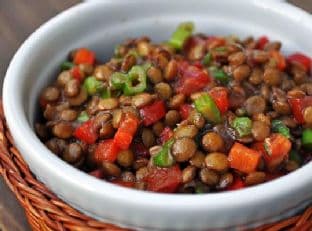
{"x": 26, "y": 139}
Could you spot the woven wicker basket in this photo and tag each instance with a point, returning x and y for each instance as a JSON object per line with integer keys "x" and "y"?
{"x": 45, "y": 211}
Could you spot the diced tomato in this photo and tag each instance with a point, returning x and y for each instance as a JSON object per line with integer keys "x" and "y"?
{"x": 237, "y": 184}
{"x": 152, "y": 113}
{"x": 185, "y": 111}
{"x": 165, "y": 135}
{"x": 77, "y": 73}
{"x": 127, "y": 184}
{"x": 262, "y": 41}
{"x": 213, "y": 42}
{"x": 106, "y": 150}
{"x": 302, "y": 59}
{"x": 298, "y": 105}
{"x": 280, "y": 60}
{"x": 243, "y": 158}
{"x": 140, "y": 150}
{"x": 127, "y": 128}
{"x": 98, "y": 173}
{"x": 276, "y": 148}
{"x": 220, "y": 97}
{"x": 84, "y": 56}
{"x": 191, "y": 79}
{"x": 86, "y": 132}
{"x": 165, "y": 180}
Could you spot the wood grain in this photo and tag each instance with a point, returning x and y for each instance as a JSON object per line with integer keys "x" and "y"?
{"x": 18, "y": 19}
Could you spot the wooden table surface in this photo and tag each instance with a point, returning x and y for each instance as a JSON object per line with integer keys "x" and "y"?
{"x": 19, "y": 18}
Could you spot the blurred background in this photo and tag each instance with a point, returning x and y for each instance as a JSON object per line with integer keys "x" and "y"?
{"x": 18, "y": 19}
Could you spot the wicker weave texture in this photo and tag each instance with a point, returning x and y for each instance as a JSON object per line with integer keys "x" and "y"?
{"x": 46, "y": 212}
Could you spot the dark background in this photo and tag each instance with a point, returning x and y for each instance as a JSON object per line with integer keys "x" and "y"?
{"x": 18, "y": 19}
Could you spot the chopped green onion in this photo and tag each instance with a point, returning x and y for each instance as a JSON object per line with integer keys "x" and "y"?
{"x": 136, "y": 81}
{"x": 219, "y": 75}
{"x": 92, "y": 85}
{"x": 83, "y": 117}
{"x": 207, "y": 59}
{"x": 280, "y": 127}
{"x": 106, "y": 93}
{"x": 293, "y": 155}
{"x": 242, "y": 125}
{"x": 307, "y": 138}
{"x": 67, "y": 65}
{"x": 118, "y": 79}
{"x": 208, "y": 108}
{"x": 134, "y": 53}
{"x": 164, "y": 158}
{"x": 183, "y": 31}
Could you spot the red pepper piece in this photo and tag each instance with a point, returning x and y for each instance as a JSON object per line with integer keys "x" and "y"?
{"x": 185, "y": 111}
{"x": 280, "y": 60}
{"x": 262, "y": 41}
{"x": 86, "y": 132}
{"x": 220, "y": 97}
{"x": 165, "y": 135}
{"x": 213, "y": 42}
{"x": 192, "y": 79}
{"x": 237, "y": 184}
{"x": 98, "y": 173}
{"x": 152, "y": 113}
{"x": 166, "y": 180}
{"x": 302, "y": 59}
{"x": 140, "y": 150}
{"x": 77, "y": 73}
{"x": 298, "y": 105}
{"x": 106, "y": 150}
{"x": 84, "y": 56}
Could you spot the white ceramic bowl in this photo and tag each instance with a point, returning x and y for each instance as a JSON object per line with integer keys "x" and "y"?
{"x": 100, "y": 26}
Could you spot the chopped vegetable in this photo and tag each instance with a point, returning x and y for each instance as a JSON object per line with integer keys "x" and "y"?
{"x": 67, "y": 66}
{"x": 220, "y": 97}
{"x": 280, "y": 127}
{"x": 307, "y": 138}
{"x": 86, "y": 132}
{"x": 98, "y": 173}
{"x": 127, "y": 128}
{"x": 181, "y": 34}
{"x": 164, "y": 180}
{"x": 276, "y": 148}
{"x": 192, "y": 79}
{"x": 242, "y": 125}
{"x": 164, "y": 157}
{"x": 83, "y": 117}
{"x": 298, "y": 105}
{"x": 118, "y": 80}
{"x": 219, "y": 75}
{"x": 92, "y": 85}
{"x": 280, "y": 60}
{"x": 302, "y": 59}
{"x": 243, "y": 158}
{"x": 106, "y": 150}
{"x": 208, "y": 108}
{"x": 262, "y": 41}
{"x": 237, "y": 184}
{"x": 106, "y": 93}
{"x": 152, "y": 113}
{"x": 84, "y": 56}
{"x": 165, "y": 135}
{"x": 207, "y": 59}
{"x": 77, "y": 73}
{"x": 136, "y": 81}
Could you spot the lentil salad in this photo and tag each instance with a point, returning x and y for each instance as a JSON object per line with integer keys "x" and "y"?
{"x": 196, "y": 114}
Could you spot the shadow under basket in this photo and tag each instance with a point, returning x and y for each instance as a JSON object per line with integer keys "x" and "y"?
{"x": 45, "y": 211}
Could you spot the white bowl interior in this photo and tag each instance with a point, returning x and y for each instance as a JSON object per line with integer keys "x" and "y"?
{"x": 100, "y": 26}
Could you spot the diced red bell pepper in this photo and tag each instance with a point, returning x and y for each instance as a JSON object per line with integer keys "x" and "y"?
{"x": 191, "y": 79}
{"x": 185, "y": 110}
{"x": 280, "y": 60}
{"x": 77, "y": 73}
{"x": 84, "y": 56}
{"x": 165, "y": 135}
{"x": 262, "y": 41}
{"x": 166, "y": 180}
{"x": 152, "y": 113}
{"x": 127, "y": 184}
{"x": 106, "y": 150}
{"x": 86, "y": 132}
{"x": 298, "y": 105}
{"x": 243, "y": 158}
{"x": 213, "y": 42}
{"x": 276, "y": 148}
{"x": 302, "y": 59}
{"x": 127, "y": 128}
{"x": 220, "y": 97}
{"x": 98, "y": 173}
{"x": 237, "y": 184}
